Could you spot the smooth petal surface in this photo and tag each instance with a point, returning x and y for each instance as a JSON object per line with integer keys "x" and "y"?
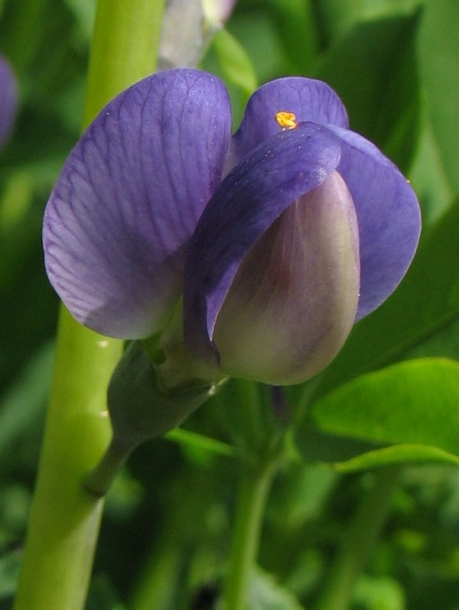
{"x": 293, "y": 301}
{"x": 310, "y": 100}
{"x": 388, "y": 214}
{"x": 248, "y": 201}
{"x": 129, "y": 197}
{"x": 8, "y": 100}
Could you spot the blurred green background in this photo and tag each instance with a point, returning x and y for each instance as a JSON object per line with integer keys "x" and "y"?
{"x": 395, "y": 63}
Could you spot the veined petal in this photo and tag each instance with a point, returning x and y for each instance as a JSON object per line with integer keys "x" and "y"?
{"x": 8, "y": 100}
{"x": 129, "y": 197}
{"x": 308, "y": 99}
{"x": 388, "y": 214}
{"x": 293, "y": 301}
{"x": 248, "y": 201}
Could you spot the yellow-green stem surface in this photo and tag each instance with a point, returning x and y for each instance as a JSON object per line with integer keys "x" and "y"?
{"x": 64, "y": 520}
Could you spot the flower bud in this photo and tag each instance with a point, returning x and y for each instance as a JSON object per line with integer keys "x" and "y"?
{"x": 294, "y": 299}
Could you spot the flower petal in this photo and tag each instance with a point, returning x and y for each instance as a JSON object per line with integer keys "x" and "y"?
{"x": 388, "y": 214}
{"x": 129, "y": 197}
{"x": 8, "y": 100}
{"x": 248, "y": 201}
{"x": 308, "y": 99}
{"x": 293, "y": 301}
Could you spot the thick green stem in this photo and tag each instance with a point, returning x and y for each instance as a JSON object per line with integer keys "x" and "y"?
{"x": 254, "y": 486}
{"x": 359, "y": 541}
{"x": 124, "y": 48}
{"x": 64, "y": 520}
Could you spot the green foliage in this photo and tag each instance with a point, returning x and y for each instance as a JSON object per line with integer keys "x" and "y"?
{"x": 266, "y": 594}
{"x": 390, "y": 396}
{"x": 382, "y": 93}
{"x": 235, "y": 63}
{"x": 438, "y": 52}
{"x": 409, "y": 409}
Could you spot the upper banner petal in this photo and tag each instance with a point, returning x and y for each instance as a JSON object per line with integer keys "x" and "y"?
{"x": 8, "y": 99}
{"x": 388, "y": 214}
{"x": 129, "y": 197}
{"x": 309, "y": 99}
{"x": 245, "y": 205}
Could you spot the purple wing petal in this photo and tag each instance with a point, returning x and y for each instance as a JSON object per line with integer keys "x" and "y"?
{"x": 8, "y": 100}
{"x": 245, "y": 205}
{"x": 388, "y": 214}
{"x": 309, "y": 99}
{"x": 129, "y": 197}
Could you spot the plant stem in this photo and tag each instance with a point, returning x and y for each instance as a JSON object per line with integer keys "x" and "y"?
{"x": 124, "y": 48}
{"x": 254, "y": 485}
{"x": 359, "y": 540}
{"x": 64, "y": 520}
{"x": 100, "y": 478}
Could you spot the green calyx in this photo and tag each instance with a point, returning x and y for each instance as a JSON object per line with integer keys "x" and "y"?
{"x": 141, "y": 406}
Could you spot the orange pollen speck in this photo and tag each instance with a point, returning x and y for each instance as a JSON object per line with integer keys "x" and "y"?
{"x": 286, "y": 120}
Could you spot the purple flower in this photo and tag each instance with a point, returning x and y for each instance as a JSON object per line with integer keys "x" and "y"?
{"x": 278, "y": 237}
{"x": 8, "y": 100}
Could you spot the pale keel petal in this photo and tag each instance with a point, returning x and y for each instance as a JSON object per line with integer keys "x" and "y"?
{"x": 293, "y": 302}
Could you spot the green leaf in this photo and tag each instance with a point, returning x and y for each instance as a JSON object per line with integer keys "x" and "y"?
{"x": 439, "y": 67}
{"x": 235, "y": 63}
{"x": 84, "y": 12}
{"x": 315, "y": 445}
{"x": 22, "y": 405}
{"x": 334, "y": 17}
{"x": 426, "y": 303}
{"x": 9, "y": 572}
{"x": 102, "y": 596}
{"x": 199, "y": 447}
{"x": 373, "y": 68}
{"x": 257, "y": 33}
{"x": 411, "y": 402}
{"x": 428, "y": 177}
{"x": 266, "y": 594}
{"x": 396, "y": 454}
{"x": 412, "y": 405}
{"x": 379, "y": 593}
{"x": 297, "y": 33}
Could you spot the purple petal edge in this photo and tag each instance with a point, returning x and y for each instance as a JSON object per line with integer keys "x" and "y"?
{"x": 389, "y": 218}
{"x": 8, "y": 100}
{"x": 309, "y": 99}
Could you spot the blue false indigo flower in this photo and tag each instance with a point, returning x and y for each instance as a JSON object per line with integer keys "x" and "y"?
{"x": 8, "y": 100}
{"x": 279, "y": 238}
